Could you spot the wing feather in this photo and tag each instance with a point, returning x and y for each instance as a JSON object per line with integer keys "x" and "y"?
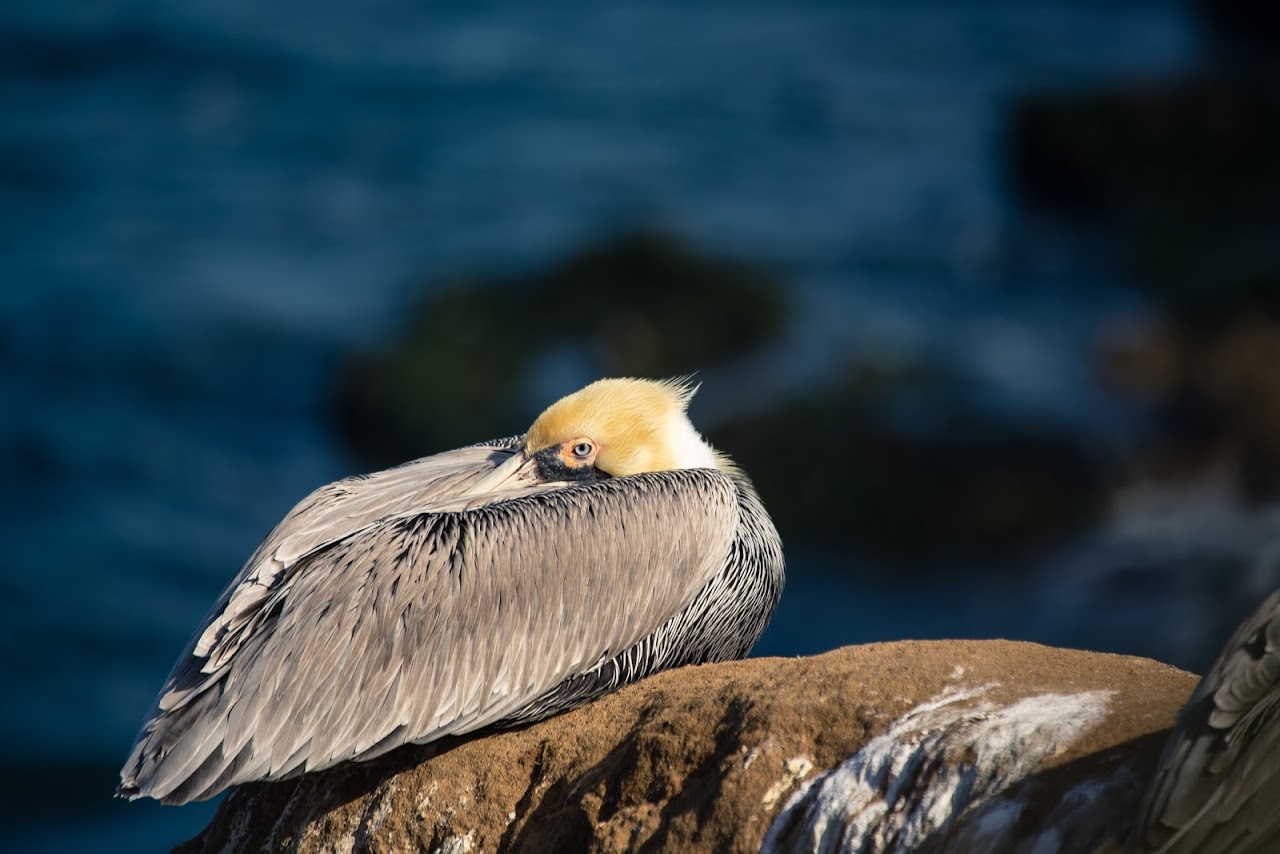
{"x": 329, "y": 514}
{"x": 1219, "y": 777}
{"x": 426, "y": 622}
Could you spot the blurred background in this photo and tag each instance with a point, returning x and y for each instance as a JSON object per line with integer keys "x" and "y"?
{"x": 982, "y": 293}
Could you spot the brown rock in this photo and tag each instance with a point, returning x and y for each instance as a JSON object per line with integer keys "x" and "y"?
{"x": 964, "y": 745}
{"x": 1213, "y": 385}
{"x": 972, "y": 487}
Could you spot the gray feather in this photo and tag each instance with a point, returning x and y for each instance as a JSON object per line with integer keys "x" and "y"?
{"x": 400, "y": 607}
{"x": 1218, "y": 782}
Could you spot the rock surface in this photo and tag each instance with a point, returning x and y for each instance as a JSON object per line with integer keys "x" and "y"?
{"x": 962, "y": 745}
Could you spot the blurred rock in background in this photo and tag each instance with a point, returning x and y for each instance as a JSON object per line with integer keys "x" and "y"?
{"x": 833, "y": 466}
{"x": 638, "y": 304}
{"x": 1183, "y": 175}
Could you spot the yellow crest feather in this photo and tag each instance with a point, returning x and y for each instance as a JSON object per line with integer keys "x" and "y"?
{"x": 629, "y": 420}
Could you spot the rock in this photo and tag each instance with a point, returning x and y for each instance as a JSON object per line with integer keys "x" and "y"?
{"x": 1251, "y": 23}
{"x": 1184, "y": 175}
{"x": 971, "y": 487}
{"x": 1214, "y": 395}
{"x": 1185, "y": 172}
{"x": 955, "y": 745}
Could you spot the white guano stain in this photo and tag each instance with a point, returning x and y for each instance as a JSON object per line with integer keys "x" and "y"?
{"x": 237, "y": 837}
{"x": 458, "y": 844}
{"x": 384, "y": 803}
{"x": 938, "y": 760}
{"x": 424, "y": 802}
{"x": 793, "y": 769}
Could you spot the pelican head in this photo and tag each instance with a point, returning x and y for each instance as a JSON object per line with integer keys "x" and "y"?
{"x": 611, "y": 428}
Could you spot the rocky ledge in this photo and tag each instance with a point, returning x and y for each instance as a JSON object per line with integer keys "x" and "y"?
{"x": 946, "y": 745}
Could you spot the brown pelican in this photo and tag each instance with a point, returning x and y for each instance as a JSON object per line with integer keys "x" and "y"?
{"x": 1218, "y": 784}
{"x": 491, "y": 585}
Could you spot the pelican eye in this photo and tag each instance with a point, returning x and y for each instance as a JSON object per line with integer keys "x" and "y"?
{"x": 582, "y": 450}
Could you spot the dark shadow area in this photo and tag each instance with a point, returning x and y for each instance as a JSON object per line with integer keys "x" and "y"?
{"x": 1085, "y": 821}
{"x": 561, "y": 822}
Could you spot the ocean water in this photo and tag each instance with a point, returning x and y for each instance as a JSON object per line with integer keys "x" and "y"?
{"x": 203, "y": 205}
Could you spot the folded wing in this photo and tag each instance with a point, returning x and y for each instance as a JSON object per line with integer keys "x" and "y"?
{"x": 1218, "y": 783}
{"x": 394, "y": 609}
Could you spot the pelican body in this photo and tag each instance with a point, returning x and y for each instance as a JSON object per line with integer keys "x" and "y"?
{"x": 488, "y": 586}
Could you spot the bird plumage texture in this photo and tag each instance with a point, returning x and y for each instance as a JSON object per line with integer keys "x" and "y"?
{"x": 491, "y": 585}
{"x": 1218, "y": 782}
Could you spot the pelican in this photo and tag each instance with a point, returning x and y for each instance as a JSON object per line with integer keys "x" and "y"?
{"x": 1218, "y": 781}
{"x": 493, "y": 585}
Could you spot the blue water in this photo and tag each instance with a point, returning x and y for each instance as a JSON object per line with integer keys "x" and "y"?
{"x": 202, "y": 205}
